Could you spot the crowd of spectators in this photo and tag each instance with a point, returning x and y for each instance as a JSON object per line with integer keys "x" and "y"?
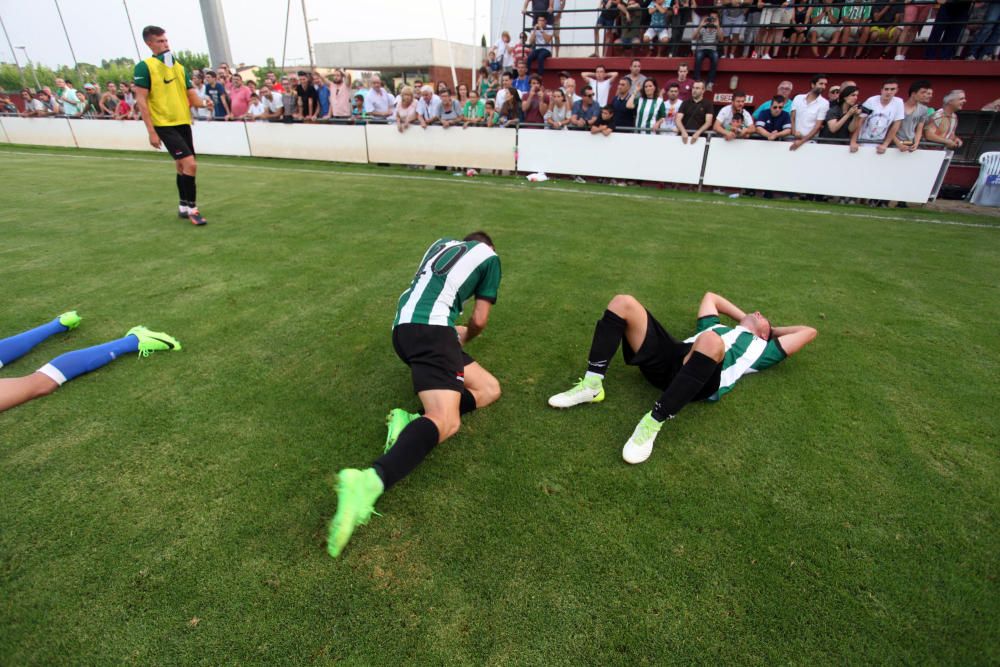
{"x": 772, "y": 28}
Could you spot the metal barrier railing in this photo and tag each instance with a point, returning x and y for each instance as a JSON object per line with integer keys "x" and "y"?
{"x": 679, "y": 22}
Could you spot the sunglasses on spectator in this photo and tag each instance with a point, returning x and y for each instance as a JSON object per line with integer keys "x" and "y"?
{"x": 589, "y": 95}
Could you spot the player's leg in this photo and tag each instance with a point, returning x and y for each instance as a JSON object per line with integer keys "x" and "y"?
{"x": 20, "y": 344}
{"x": 625, "y": 318}
{"x": 73, "y": 364}
{"x": 700, "y": 365}
{"x": 481, "y": 386}
{"x": 179, "y": 142}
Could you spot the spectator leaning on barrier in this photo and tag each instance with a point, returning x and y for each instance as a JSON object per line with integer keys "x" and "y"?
{"x": 66, "y": 96}
{"x": 775, "y": 123}
{"x": 32, "y": 105}
{"x": 705, "y": 43}
{"x": 649, "y": 108}
{"x": 290, "y": 104}
{"x": 881, "y": 117}
{"x": 307, "y": 97}
{"x": 406, "y": 109}
{"x": 506, "y": 85}
{"x": 93, "y": 97}
{"x": 217, "y": 93}
{"x": 255, "y": 110}
{"x": 273, "y": 104}
{"x": 942, "y": 128}
{"x": 428, "y": 107}
{"x": 809, "y": 112}
{"x": 844, "y": 115}
{"x": 109, "y": 100}
{"x": 915, "y": 114}
{"x": 671, "y": 107}
{"x": 586, "y": 111}
{"x": 378, "y": 102}
{"x": 322, "y": 95}
{"x": 541, "y": 42}
{"x": 695, "y": 115}
{"x": 473, "y": 110}
{"x": 784, "y": 90}
{"x": 605, "y": 122}
{"x": 559, "y": 113}
{"x": 201, "y": 112}
{"x": 239, "y": 99}
{"x": 6, "y": 106}
{"x": 535, "y": 103}
{"x": 490, "y": 115}
{"x": 733, "y": 120}
{"x": 358, "y": 113}
{"x": 600, "y": 81}
{"x": 340, "y": 95}
{"x": 451, "y": 113}
{"x": 683, "y": 83}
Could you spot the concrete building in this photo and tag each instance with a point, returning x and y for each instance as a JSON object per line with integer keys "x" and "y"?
{"x": 404, "y": 59}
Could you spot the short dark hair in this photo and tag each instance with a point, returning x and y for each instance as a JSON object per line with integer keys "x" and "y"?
{"x": 919, "y": 85}
{"x": 817, "y": 77}
{"x": 302, "y": 72}
{"x": 674, "y": 85}
{"x": 891, "y": 80}
{"x": 209, "y": 72}
{"x": 780, "y": 99}
{"x": 586, "y": 88}
{"x": 738, "y": 93}
{"x": 151, "y": 31}
{"x": 534, "y": 77}
{"x": 636, "y": 60}
{"x": 481, "y": 237}
{"x": 600, "y": 66}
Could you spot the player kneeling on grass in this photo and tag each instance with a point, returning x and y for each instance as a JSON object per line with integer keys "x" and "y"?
{"x": 448, "y": 381}
{"x": 706, "y": 366}
{"x": 51, "y": 376}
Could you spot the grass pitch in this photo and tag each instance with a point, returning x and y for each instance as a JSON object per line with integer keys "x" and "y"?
{"x": 839, "y": 508}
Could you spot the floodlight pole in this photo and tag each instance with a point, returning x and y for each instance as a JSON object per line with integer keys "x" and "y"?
{"x": 309, "y": 43}
{"x": 34, "y": 74}
{"x": 451, "y": 55}
{"x": 76, "y": 65}
{"x": 284, "y": 47}
{"x": 131, "y": 29}
{"x": 24, "y": 82}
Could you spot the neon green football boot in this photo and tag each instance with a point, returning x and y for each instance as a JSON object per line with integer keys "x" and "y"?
{"x": 357, "y": 491}
{"x": 395, "y": 422}
{"x": 70, "y": 320}
{"x": 586, "y": 390}
{"x": 153, "y": 341}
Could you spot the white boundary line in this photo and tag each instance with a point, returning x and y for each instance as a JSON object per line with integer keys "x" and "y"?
{"x": 523, "y": 187}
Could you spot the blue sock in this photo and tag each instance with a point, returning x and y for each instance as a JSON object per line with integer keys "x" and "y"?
{"x": 17, "y": 346}
{"x": 67, "y": 366}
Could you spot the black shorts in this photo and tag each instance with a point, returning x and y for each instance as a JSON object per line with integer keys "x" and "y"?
{"x": 661, "y": 356}
{"x": 177, "y": 139}
{"x": 432, "y": 352}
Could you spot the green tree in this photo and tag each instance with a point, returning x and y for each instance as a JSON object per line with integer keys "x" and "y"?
{"x": 191, "y": 60}
{"x": 260, "y": 73}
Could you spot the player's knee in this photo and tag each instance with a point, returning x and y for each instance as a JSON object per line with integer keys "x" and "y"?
{"x": 491, "y": 391}
{"x": 621, "y": 304}
{"x": 448, "y": 426}
{"x": 710, "y": 344}
{"x": 43, "y": 385}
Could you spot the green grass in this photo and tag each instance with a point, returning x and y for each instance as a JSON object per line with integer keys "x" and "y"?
{"x": 840, "y": 508}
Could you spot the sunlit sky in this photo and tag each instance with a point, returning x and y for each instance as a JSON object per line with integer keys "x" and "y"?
{"x": 98, "y": 29}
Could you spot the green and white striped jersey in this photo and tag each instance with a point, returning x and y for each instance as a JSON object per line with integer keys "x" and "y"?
{"x": 450, "y": 272}
{"x": 647, "y": 112}
{"x": 745, "y": 352}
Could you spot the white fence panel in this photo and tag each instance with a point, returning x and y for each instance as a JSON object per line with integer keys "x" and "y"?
{"x": 823, "y": 169}
{"x": 3, "y": 134}
{"x": 641, "y": 157}
{"x": 479, "y": 147}
{"x": 333, "y": 143}
{"x": 125, "y": 135}
{"x": 221, "y": 138}
{"x": 39, "y": 131}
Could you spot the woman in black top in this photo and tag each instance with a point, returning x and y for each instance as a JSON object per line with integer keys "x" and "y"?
{"x": 842, "y": 116}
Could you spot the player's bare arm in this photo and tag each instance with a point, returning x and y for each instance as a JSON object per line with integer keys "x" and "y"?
{"x": 141, "y": 101}
{"x": 715, "y": 304}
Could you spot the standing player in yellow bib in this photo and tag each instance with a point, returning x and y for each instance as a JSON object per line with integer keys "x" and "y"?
{"x": 165, "y": 95}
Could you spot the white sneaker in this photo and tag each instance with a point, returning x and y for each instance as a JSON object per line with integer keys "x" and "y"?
{"x": 586, "y": 390}
{"x": 900, "y": 57}
{"x": 765, "y": 57}
{"x": 640, "y": 445}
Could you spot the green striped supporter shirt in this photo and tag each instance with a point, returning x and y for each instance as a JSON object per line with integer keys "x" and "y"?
{"x": 647, "y": 112}
{"x": 450, "y": 272}
{"x": 745, "y": 352}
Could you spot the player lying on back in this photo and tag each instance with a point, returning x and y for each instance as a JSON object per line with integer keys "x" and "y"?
{"x": 706, "y": 366}
{"x": 65, "y": 367}
{"x": 447, "y": 380}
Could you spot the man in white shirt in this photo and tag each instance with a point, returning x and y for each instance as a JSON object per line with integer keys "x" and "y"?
{"x": 428, "y": 107}
{"x": 378, "y": 102}
{"x": 734, "y": 121}
{"x": 881, "y": 116}
{"x": 504, "y": 92}
{"x": 809, "y": 112}
{"x": 273, "y": 104}
{"x": 600, "y": 80}
{"x": 671, "y": 106}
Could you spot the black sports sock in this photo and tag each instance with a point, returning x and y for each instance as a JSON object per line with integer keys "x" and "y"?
{"x": 607, "y": 337}
{"x": 468, "y": 402}
{"x": 415, "y": 442}
{"x": 685, "y": 386}
{"x": 189, "y": 193}
{"x": 181, "y": 190}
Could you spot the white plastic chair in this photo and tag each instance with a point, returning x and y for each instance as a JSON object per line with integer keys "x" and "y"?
{"x": 981, "y": 193}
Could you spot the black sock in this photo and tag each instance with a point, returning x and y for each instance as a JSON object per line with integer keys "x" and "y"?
{"x": 415, "y": 442}
{"x": 685, "y": 386}
{"x": 468, "y": 402}
{"x": 192, "y": 192}
{"x": 181, "y": 190}
{"x": 607, "y": 337}
{"x": 188, "y": 192}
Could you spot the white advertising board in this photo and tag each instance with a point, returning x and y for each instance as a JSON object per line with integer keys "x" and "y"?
{"x": 823, "y": 169}
{"x": 125, "y": 135}
{"x": 479, "y": 147}
{"x": 301, "y": 141}
{"x": 221, "y": 138}
{"x": 641, "y": 157}
{"x": 39, "y": 131}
